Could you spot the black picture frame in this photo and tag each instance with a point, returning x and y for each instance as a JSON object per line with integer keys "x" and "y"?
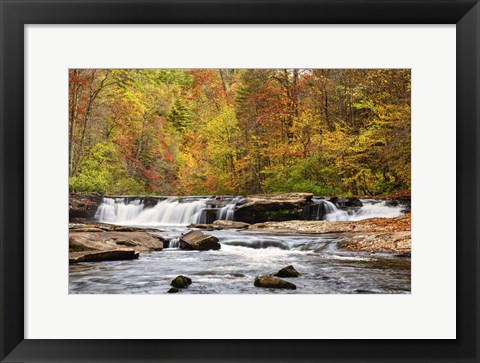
{"x": 15, "y": 14}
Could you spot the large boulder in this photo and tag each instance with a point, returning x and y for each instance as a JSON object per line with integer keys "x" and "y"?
{"x": 269, "y": 207}
{"x": 197, "y": 240}
{"x": 98, "y": 256}
{"x": 288, "y": 271}
{"x": 272, "y": 282}
{"x": 101, "y": 241}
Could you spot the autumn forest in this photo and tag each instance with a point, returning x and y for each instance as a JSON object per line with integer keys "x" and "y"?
{"x": 239, "y": 131}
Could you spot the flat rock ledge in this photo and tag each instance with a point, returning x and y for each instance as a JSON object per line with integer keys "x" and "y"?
{"x": 98, "y": 256}
{"x": 220, "y": 224}
{"x": 398, "y": 224}
{"x": 105, "y": 227}
{"x": 101, "y": 241}
{"x": 94, "y": 246}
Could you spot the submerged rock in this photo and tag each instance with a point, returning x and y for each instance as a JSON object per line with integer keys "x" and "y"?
{"x": 288, "y": 271}
{"x": 269, "y": 281}
{"x": 173, "y": 290}
{"x": 181, "y": 282}
{"x": 98, "y": 256}
{"x": 391, "y": 203}
{"x": 197, "y": 240}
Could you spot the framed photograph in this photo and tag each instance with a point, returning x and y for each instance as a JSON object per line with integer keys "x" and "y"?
{"x": 240, "y": 181}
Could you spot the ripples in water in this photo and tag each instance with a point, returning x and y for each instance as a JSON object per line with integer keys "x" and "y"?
{"x": 233, "y": 268}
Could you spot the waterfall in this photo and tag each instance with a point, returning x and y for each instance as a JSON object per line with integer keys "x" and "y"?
{"x": 370, "y": 209}
{"x": 114, "y": 210}
{"x": 332, "y": 213}
{"x": 226, "y": 213}
{"x": 181, "y": 211}
{"x": 378, "y": 210}
{"x": 174, "y": 243}
{"x": 171, "y": 211}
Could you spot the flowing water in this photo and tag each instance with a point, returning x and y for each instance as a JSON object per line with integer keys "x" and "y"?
{"x": 244, "y": 255}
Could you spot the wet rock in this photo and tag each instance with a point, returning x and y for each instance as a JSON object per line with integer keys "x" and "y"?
{"x": 391, "y": 203}
{"x": 98, "y": 256}
{"x": 288, "y": 271}
{"x": 272, "y": 282}
{"x": 404, "y": 255}
{"x": 181, "y": 282}
{"x": 316, "y": 211}
{"x": 346, "y": 202}
{"x": 173, "y": 290}
{"x": 197, "y": 240}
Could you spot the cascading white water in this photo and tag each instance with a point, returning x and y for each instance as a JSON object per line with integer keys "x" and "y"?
{"x": 174, "y": 211}
{"x": 174, "y": 243}
{"x": 378, "y": 210}
{"x": 333, "y": 213}
{"x": 226, "y": 213}
{"x": 115, "y": 210}
{"x": 373, "y": 209}
{"x": 167, "y": 212}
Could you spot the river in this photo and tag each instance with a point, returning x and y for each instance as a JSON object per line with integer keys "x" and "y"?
{"x": 243, "y": 255}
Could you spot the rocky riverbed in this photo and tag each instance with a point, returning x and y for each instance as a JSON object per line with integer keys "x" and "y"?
{"x": 389, "y": 235}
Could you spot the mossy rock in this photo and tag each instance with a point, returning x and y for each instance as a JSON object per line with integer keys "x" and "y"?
{"x": 181, "y": 282}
